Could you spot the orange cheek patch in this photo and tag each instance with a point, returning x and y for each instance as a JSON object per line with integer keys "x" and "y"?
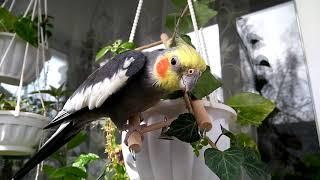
{"x": 162, "y": 67}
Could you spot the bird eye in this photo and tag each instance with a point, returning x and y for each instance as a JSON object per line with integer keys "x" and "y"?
{"x": 190, "y": 71}
{"x": 174, "y": 61}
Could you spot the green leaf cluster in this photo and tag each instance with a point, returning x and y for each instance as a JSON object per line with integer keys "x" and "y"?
{"x": 59, "y": 94}
{"x": 77, "y": 170}
{"x": 25, "y": 28}
{"x": 203, "y": 12}
{"x": 73, "y": 170}
{"x": 242, "y": 157}
{"x": 198, "y": 145}
{"x": 115, "y": 48}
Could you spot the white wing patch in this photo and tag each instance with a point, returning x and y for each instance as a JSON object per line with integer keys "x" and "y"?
{"x": 95, "y": 95}
{"x": 61, "y": 127}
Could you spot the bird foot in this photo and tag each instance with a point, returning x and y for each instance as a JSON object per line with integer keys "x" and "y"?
{"x": 132, "y": 129}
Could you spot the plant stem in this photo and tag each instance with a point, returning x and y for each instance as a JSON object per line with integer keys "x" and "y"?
{"x": 218, "y": 138}
{"x": 174, "y": 34}
{"x": 188, "y": 103}
{"x": 212, "y": 144}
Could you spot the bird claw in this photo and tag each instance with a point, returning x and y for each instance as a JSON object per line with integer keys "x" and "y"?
{"x": 137, "y": 128}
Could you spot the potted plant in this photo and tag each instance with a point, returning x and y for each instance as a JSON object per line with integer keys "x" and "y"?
{"x": 20, "y": 135}
{"x": 20, "y": 30}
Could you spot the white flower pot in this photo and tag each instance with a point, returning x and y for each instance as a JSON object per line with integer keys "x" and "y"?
{"x": 10, "y": 70}
{"x": 20, "y": 135}
{"x": 175, "y": 160}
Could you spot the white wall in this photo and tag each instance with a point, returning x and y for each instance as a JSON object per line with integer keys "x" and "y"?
{"x": 309, "y": 15}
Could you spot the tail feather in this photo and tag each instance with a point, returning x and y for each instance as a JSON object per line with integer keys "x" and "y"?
{"x": 64, "y": 134}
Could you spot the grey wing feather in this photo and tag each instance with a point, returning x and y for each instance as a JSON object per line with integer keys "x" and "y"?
{"x": 102, "y": 83}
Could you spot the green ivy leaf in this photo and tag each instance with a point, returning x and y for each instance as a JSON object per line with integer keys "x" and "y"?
{"x": 186, "y": 39}
{"x": 26, "y": 30}
{"x": 179, "y": 3}
{"x": 85, "y": 159}
{"x": 77, "y": 140}
{"x": 240, "y": 140}
{"x": 127, "y": 45}
{"x": 206, "y": 84}
{"x": 185, "y": 25}
{"x": 203, "y": 13}
{"x": 171, "y": 20}
{"x": 185, "y": 128}
{"x": 251, "y": 108}
{"x": 312, "y": 160}
{"x": 206, "y": 2}
{"x": 198, "y": 145}
{"x": 243, "y": 140}
{"x": 255, "y": 168}
{"x": 48, "y": 169}
{"x": 70, "y": 172}
{"x": 102, "y": 52}
{"x": 7, "y": 21}
{"x": 227, "y": 132}
{"x": 226, "y": 164}
{"x": 117, "y": 43}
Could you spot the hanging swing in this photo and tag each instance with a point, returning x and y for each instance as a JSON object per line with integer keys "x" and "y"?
{"x": 151, "y": 158}
{"x": 21, "y": 131}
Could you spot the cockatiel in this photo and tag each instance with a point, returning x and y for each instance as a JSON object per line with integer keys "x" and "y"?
{"x": 125, "y": 86}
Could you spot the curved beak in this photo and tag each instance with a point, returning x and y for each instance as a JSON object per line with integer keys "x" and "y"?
{"x": 189, "y": 80}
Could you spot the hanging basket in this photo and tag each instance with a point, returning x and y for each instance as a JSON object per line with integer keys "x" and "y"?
{"x": 20, "y": 135}
{"x": 165, "y": 159}
{"x": 10, "y": 70}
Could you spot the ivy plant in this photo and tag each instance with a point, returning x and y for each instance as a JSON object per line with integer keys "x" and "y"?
{"x": 25, "y": 27}
{"x": 243, "y": 156}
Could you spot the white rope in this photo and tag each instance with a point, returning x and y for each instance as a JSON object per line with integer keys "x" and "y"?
{"x": 46, "y": 17}
{"x": 195, "y": 25}
{"x": 8, "y": 48}
{"x": 17, "y": 109}
{"x": 40, "y": 165}
{"x": 11, "y": 6}
{"x": 135, "y": 22}
{"x": 40, "y": 31}
{"x": 44, "y": 40}
{"x": 28, "y": 8}
{"x": 4, "y": 3}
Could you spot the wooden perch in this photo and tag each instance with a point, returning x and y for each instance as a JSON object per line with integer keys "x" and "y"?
{"x": 156, "y": 126}
{"x": 148, "y": 46}
{"x": 201, "y": 115}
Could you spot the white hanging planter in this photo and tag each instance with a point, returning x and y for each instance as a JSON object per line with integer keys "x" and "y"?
{"x": 20, "y": 135}
{"x": 175, "y": 160}
{"x": 10, "y": 70}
